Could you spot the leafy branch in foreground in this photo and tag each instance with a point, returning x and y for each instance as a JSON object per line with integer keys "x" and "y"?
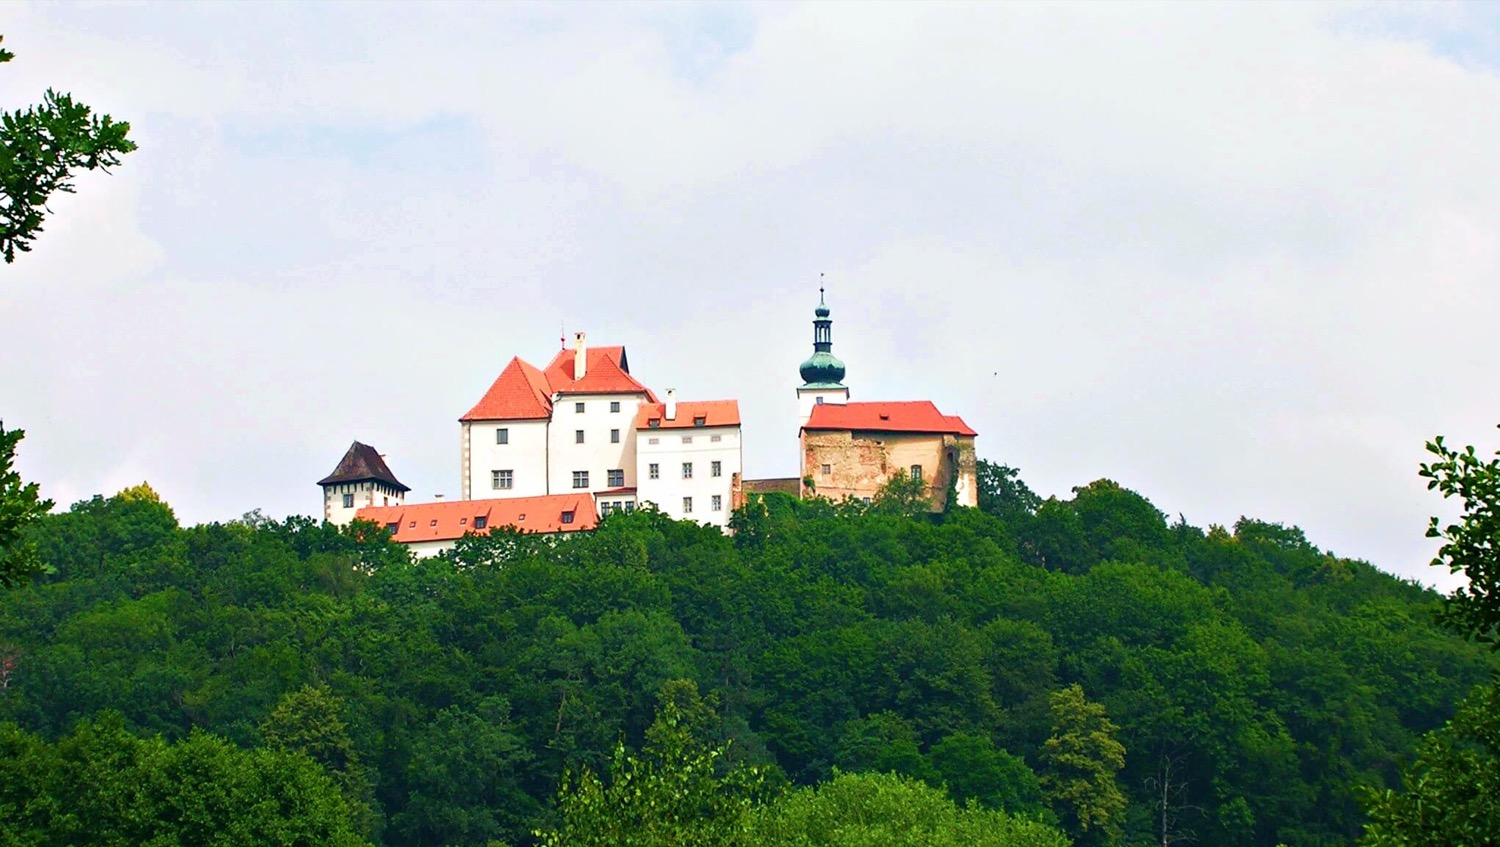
{"x": 41, "y": 147}
{"x": 20, "y": 504}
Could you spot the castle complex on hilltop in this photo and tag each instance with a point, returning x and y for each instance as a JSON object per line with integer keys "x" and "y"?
{"x": 555, "y": 449}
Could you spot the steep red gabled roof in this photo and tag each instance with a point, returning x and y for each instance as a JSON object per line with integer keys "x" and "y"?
{"x": 909, "y": 416}
{"x": 362, "y": 463}
{"x": 447, "y": 520}
{"x": 714, "y": 413}
{"x": 606, "y": 373}
{"x": 519, "y": 393}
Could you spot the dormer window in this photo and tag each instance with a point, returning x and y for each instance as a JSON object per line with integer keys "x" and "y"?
{"x": 521, "y": 517}
{"x": 481, "y": 521}
{"x": 412, "y": 525}
{"x": 700, "y": 420}
{"x": 654, "y": 423}
{"x": 392, "y": 527}
{"x": 433, "y": 522}
{"x": 463, "y": 521}
{"x": 567, "y": 517}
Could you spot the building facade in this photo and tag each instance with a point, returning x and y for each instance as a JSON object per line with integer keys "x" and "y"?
{"x": 690, "y": 458}
{"x": 360, "y": 480}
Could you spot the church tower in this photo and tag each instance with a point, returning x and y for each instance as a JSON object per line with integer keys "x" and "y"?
{"x": 822, "y": 373}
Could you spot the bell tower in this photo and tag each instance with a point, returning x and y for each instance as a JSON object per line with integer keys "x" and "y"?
{"x": 822, "y": 373}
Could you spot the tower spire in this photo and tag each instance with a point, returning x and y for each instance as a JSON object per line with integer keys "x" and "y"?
{"x": 822, "y": 368}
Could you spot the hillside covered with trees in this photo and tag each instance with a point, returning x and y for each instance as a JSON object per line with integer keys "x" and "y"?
{"x": 1078, "y": 670}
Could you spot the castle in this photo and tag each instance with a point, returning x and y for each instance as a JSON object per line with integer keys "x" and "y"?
{"x": 557, "y": 448}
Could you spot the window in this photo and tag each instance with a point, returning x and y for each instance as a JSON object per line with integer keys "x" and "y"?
{"x": 827, "y": 470}
{"x": 348, "y": 501}
{"x": 654, "y": 423}
{"x": 700, "y": 420}
{"x": 502, "y": 436}
{"x": 820, "y": 401}
{"x": 653, "y": 441}
{"x": 481, "y": 521}
{"x": 687, "y": 505}
{"x": 577, "y": 436}
{"x": 716, "y": 438}
{"x": 501, "y": 480}
{"x": 614, "y": 436}
{"x": 916, "y": 471}
{"x": 617, "y": 478}
{"x": 432, "y": 522}
{"x": 580, "y": 479}
{"x": 716, "y": 468}
{"x": 567, "y": 517}
{"x": 463, "y": 521}
{"x": 630, "y": 505}
{"x": 614, "y": 405}
{"x": 605, "y": 508}
{"x": 687, "y": 470}
{"x": 653, "y": 470}
{"x": 687, "y": 439}
{"x": 392, "y": 527}
{"x": 578, "y": 408}
{"x": 718, "y": 503}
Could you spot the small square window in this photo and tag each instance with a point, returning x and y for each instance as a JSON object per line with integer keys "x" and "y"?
{"x": 630, "y": 505}
{"x": 567, "y": 517}
{"x": 820, "y": 401}
{"x": 687, "y": 470}
{"x": 614, "y": 436}
{"x": 617, "y": 478}
{"x": 578, "y": 408}
{"x": 348, "y": 501}
{"x": 580, "y": 479}
{"x": 916, "y": 471}
{"x": 653, "y": 470}
{"x": 687, "y": 505}
{"x": 577, "y": 436}
{"x": 654, "y": 423}
{"x": 481, "y": 521}
{"x": 463, "y": 521}
{"x": 827, "y": 470}
{"x": 502, "y": 435}
{"x": 432, "y": 522}
{"x": 700, "y": 420}
{"x": 412, "y": 525}
{"x": 716, "y": 468}
{"x": 718, "y": 503}
{"x": 614, "y": 405}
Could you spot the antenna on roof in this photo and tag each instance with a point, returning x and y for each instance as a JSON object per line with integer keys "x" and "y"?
{"x": 562, "y": 336}
{"x": 820, "y": 289}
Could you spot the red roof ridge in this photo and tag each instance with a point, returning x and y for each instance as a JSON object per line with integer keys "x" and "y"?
{"x": 520, "y": 392}
{"x": 887, "y": 416}
{"x": 447, "y": 520}
{"x": 715, "y": 412}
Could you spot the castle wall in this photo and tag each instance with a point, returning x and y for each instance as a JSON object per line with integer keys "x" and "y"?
{"x": 859, "y": 464}
{"x": 669, "y": 449}
{"x": 524, "y": 454}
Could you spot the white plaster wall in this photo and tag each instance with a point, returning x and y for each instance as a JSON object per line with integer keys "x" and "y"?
{"x": 365, "y": 494}
{"x": 670, "y": 452}
{"x": 808, "y": 397}
{"x": 428, "y": 549}
{"x": 596, "y": 454}
{"x": 525, "y": 455}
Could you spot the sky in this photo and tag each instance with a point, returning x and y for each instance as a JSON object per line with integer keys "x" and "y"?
{"x": 1241, "y": 258}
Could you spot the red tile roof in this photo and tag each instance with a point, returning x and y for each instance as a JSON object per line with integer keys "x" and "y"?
{"x": 911, "y": 416}
{"x": 447, "y": 520}
{"x": 607, "y": 372}
{"x": 519, "y": 393}
{"x": 714, "y": 413}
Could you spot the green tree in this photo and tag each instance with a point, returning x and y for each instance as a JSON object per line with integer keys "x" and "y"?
{"x": 41, "y": 147}
{"x": 309, "y": 721}
{"x": 903, "y": 495}
{"x": 1079, "y": 762}
{"x": 879, "y": 810}
{"x": 975, "y": 770}
{"x": 20, "y": 505}
{"x": 1472, "y": 545}
{"x": 1003, "y": 494}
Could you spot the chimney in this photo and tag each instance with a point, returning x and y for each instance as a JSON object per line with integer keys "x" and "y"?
{"x": 580, "y": 356}
{"x": 671, "y": 412}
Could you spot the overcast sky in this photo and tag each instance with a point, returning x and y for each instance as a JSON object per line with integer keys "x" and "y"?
{"x": 1239, "y": 258}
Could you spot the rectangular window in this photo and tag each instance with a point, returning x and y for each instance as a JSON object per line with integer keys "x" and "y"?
{"x": 820, "y": 401}
{"x": 700, "y": 420}
{"x": 502, "y": 435}
{"x": 614, "y": 405}
{"x": 614, "y": 436}
{"x": 654, "y": 423}
{"x": 617, "y": 478}
{"x": 716, "y": 468}
{"x": 916, "y": 471}
{"x": 392, "y": 527}
{"x": 605, "y": 508}
{"x": 718, "y": 503}
{"x": 577, "y": 436}
{"x": 653, "y": 441}
{"x": 687, "y": 470}
{"x": 578, "y": 408}
{"x": 827, "y": 470}
{"x": 501, "y": 480}
{"x": 687, "y": 439}
{"x": 567, "y": 517}
{"x": 630, "y": 505}
{"x": 653, "y": 470}
{"x": 580, "y": 479}
{"x": 481, "y": 521}
{"x": 687, "y": 505}
{"x": 348, "y": 501}
{"x": 716, "y": 438}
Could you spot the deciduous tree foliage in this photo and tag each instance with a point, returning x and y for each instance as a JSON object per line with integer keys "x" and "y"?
{"x": 41, "y": 148}
{"x": 21, "y": 503}
{"x": 1280, "y": 681}
{"x": 1079, "y": 764}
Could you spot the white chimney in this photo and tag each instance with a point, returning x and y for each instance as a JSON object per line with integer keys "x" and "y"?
{"x": 671, "y": 413}
{"x": 580, "y": 356}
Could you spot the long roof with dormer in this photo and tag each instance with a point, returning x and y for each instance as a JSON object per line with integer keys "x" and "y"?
{"x": 446, "y": 520}
{"x": 907, "y": 416}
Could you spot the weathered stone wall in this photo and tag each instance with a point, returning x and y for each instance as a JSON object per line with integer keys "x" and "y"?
{"x": 860, "y": 463}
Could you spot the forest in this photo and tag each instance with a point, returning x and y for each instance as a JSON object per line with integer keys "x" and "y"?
{"x": 1044, "y": 672}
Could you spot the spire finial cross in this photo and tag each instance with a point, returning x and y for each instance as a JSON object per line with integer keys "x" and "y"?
{"x": 820, "y": 290}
